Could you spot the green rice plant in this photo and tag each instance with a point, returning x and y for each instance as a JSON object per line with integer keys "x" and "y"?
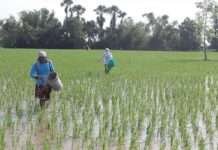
{"x": 47, "y": 145}
{"x": 150, "y": 132}
{"x": 150, "y": 129}
{"x": 217, "y": 120}
{"x": 60, "y": 139}
{"x": 121, "y": 138}
{"x": 18, "y": 109}
{"x": 65, "y": 117}
{"x": 8, "y": 117}
{"x": 195, "y": 126}
{"x": 29, "y": 144}
{"x": 141, "y": 115}
{"x": 41, "y": 117}
{"x": 183, "y": 130}
{"x": 114, "y": 124}
{"x": 163, "y": 145}
{"x": 101, "y": 132}
{"x": 2, "y": 137}
{"x": 105, "y": 142}
{"x": 91, "y": 125}
{"x": 85, "y": 137}
{"x": 209, "y": 128}
{"x": 175, "y": 145}
{"x": 13, "y": 139}
{"x": 173, "y": 133}
{"x": 93, "y": 144}
{"x": 201, "y": 144}
{"x": 134, "y": 138}
{"x": 163, "y": 125}
{"x": 96, "y": 105}
{"x": 32, "y": 104}
{"x": 76, "y": 129}
{"x": 12, "y": 130}
{"x": 52, "y": 124}
{"x": 123, "y": 122}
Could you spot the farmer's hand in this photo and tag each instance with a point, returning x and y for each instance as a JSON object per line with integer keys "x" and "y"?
{"x": 37, "y": 77}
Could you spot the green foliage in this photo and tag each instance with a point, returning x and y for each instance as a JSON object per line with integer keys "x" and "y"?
{"x": 189, "y": 35}
{"x": 41, "y": 29}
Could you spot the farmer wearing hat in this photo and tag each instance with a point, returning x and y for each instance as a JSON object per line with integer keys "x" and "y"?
{"x": 39, "y": 71}
{"x": 106, "y": 57}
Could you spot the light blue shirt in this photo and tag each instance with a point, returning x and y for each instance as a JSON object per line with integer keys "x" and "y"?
{"x": 41, "y": 70}
{"x": 106, "y": 57}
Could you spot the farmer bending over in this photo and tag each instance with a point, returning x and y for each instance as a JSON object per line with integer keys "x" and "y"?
{"x": 39, "y": 71}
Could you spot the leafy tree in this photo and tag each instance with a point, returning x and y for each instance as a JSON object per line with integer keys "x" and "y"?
{"x": 91, "y": 32}
{"x": 1, "y": 23}
{"x": 73, "y": 36}
{"x": 29, "y": 29}
{"x": 206, "y": 7}
{"x": 214, "y": 41}
{"x": 49, "y": 29}
{"x": 131, "y": 36}
{"x": 35, "y": 29}
{"x": 150, "y": 25}
{"x": 189, "y": 35}
{"x": 172, "y": 36}
{"x": 162, "y": 35}
{"x": 9, "y": 31}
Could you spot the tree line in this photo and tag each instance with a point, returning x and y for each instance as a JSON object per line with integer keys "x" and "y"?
{"x": 41, "y": 29}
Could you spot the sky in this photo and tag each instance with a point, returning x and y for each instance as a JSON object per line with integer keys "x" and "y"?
{"x": 175, "y": 9}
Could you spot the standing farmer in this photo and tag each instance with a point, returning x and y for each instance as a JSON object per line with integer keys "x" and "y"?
{"x": 106, "y": 58}
{"x": 39, "y": 71}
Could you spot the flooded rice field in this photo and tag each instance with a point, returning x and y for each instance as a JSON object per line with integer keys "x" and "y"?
{"x": 145, "y": 115}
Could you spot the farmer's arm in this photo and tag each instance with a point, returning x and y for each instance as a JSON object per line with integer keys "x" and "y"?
{"x": 33, "y": 71}
{"x": 52, "y": 67}
{"x": 102, "y": 58}
{"x": 111, "y": 56}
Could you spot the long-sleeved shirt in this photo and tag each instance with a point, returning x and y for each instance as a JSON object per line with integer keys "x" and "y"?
{"x": 41, "y": 70}
{"x": 106, "y": 57}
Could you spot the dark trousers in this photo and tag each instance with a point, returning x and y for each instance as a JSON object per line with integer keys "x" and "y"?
{"x": 43, "y": 93}
{"x": 106, "y": 69}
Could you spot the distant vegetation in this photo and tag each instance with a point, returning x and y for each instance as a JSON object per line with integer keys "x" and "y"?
{"x": 41, "y": 29}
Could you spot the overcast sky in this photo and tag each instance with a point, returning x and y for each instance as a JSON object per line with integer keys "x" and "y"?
{"x": 176, "y": 9}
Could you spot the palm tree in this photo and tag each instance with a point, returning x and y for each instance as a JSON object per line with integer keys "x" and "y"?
{"x": 122, "y": 16}
{"x": 100, "y": 10}
{"x": 164, "y": 20}
{"x": 150, "y": 17}
{"x": 66, "y": 4}
{"x": 78, "y": 9}
{"x": 113, "y": 11}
